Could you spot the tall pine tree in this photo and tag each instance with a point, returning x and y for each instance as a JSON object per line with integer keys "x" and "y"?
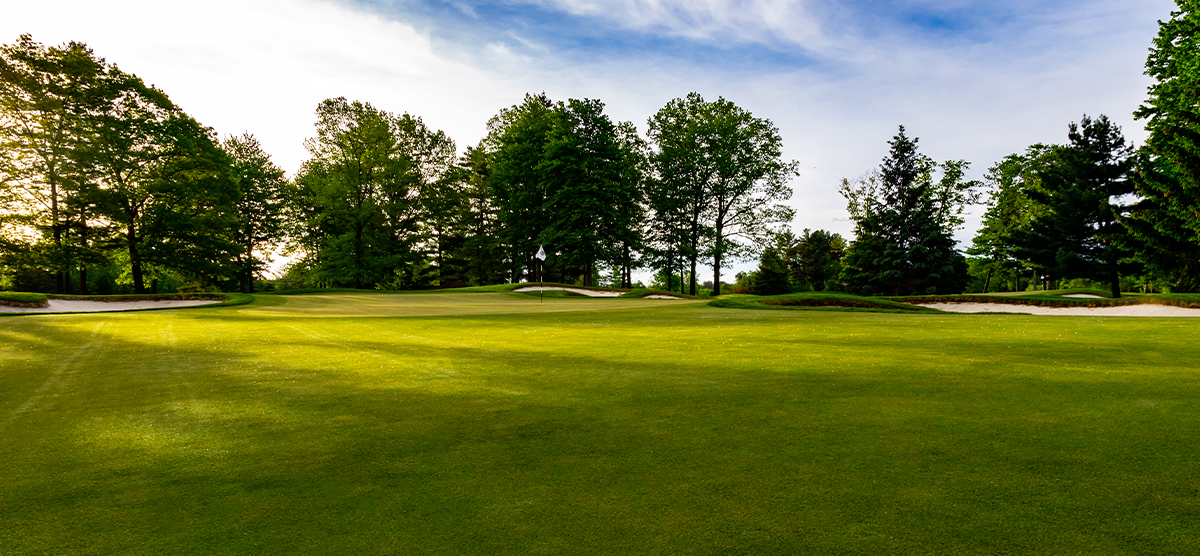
{"x": 904, "y": 223}
{"x": 1078, "y": 235}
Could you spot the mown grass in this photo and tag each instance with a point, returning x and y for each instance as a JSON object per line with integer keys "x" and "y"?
{"x": 818, "y": 301}
{"x": 1055, "y": 298}
{"x": 494, "y": 424}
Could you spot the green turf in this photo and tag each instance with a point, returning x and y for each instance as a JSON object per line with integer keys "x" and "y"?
{"x": 818, "y": 301}
{"x": 22, "y": 299}
{"x": 490, "y": 423}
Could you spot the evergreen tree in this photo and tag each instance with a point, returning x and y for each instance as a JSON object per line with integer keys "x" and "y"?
{"x": 1078, "y": 236}
{"x": 771, "y": 278}
{"x": 814, "y": 260}
{"x": 904, "y": 223}
{"x": 1165, "y": 224}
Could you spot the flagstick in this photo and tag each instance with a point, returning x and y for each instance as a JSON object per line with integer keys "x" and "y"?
{"x": 540, "y": 288}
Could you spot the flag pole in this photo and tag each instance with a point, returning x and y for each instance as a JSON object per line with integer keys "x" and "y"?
{"x": 538, "y": 260}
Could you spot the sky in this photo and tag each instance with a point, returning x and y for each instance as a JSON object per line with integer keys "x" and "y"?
{"x": 973, "y": 79}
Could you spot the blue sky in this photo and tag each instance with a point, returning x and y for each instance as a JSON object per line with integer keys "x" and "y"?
{"x": 974, "y": 80}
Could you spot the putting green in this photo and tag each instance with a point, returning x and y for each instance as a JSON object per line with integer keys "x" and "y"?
{"x": 488, "y": 423}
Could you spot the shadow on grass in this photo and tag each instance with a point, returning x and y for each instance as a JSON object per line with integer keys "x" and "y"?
{"x": 417, "y": 436}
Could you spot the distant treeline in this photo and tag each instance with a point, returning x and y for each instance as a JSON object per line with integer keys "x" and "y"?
{"x": 107, "y": 186}
{"x": 108, "y": 183}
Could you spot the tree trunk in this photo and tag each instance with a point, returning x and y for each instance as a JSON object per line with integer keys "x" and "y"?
{"x": 692, "y": 275}
{"x": 988, "y": 281}
{"x": 135, "y": 261}
{"x": 83, "y": 242}
{"x": 59, "y": 280}
{"x": 358, "y": 257}
{"x": 717, "y": 274}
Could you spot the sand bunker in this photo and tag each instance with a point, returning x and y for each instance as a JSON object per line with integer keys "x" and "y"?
{"x": 81, "y": 306}
{"x": 589, "y": 293}
{"x": 657, "y": 296}
{"x": 1144, "y": 310}
{"x": 1083, "y": 296}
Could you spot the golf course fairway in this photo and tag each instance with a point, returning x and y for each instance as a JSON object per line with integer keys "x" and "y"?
{"x": 495, "y": 423}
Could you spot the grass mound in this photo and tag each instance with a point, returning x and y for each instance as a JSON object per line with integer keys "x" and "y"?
{"x": 644, "y": 292}
{"x": 22, "y": 299}
{"x": 1056, "y": 299}
{"x": 818, "y": 301}
{"x": 225, "y": 299}
{"x": 561, "y": 285}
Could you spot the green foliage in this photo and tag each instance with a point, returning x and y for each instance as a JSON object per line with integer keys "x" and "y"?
{"x": 1078, "y": 234}
{"x": 722, "y": 178}
{"x": 45, "y": 182}
{"x": 593, "y": 189}
{"x": 567, "y": 178}
{"x": 1165, "y": 224}
{"x": 107, "y": 161}
{"x": 814, "y": 260}
{"x": 22, "y": 299}
{"x": 771, "y": 278}
{"x": 261, "y": 205}
{"x": 364, "y": 197}
{"x": 1010, "y": 211}
{"x": 519, "y": 136}
{"x": 904, "y": 223}
{"x": 470, "y": 249}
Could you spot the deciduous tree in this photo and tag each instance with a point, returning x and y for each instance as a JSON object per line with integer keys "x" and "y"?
{"x": 726, "y": 170}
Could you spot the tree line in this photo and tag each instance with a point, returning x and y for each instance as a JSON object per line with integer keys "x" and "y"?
{"x": 103, "y": 173}
{"x": 1092, "y": 211}
{"x": 106, "y": 185}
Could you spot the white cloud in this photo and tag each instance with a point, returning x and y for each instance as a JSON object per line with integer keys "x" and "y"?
{"x": 750, "y": 21}
{"x": 263, "y": 65}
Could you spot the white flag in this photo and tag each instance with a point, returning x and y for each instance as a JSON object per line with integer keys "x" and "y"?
{"x": 541, "y": 254}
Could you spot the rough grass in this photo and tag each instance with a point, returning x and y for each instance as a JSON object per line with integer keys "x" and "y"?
{"x": 494, "y": 424}
{"x": 22, "y": 299}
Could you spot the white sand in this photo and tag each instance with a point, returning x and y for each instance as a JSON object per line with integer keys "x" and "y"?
{"x": 1083, "y": 296}
{"x": 79, "y": 306}
{"x": 656, "y": 296}
{"x": 589, "y": 293}
{"x": 1144, "y": 310}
